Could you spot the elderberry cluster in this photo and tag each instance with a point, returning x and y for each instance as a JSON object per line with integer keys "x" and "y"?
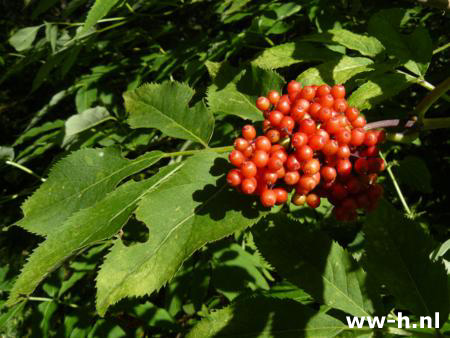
{"x": 314, "y": 145}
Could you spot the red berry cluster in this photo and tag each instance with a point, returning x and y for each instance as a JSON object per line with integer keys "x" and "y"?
{"x": 315, "y": 143}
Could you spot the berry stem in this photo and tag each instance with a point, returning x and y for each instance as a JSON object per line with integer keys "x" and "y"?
{"x": 397, "y": 188}
{"x": 25, "y": 169}
{"x": 432, "y": 97}
{"x": 218, "y": 150}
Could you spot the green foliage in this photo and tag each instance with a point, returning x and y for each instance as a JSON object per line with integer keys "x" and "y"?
{"x": 115, "y": 122}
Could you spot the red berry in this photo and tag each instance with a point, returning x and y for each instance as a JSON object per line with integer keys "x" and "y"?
{"x": 234, "y": 177}
{"x": 343, "y": 151}
{"x": 330, "y": 147}
{"x": 241, "y": 144}
{"x": 354, "y": 186}
{"x": 328, "y": 173}
{"x": 323, "y": 90}
{"x": 314, "y": 109}
{"x": 351, "y": 113}
{"x": 306, "y": 183}
{"x": 308, "y": 93}
{"x": 281, "y": 172}
{"x": 260, "y": 158}
{"x": 316, "y": 142}
{"x": 274, "y": 163}
{"x": 376, "y": 165}
{"x": 248, "y": 186}
{"x": 236, "y": 158}
{"x": 270, "y": 177}
{"x": 273, "y": 135}
{"x": 297, "y": 113}
{"x": 281, "y": 154}
{"x": 340, "y": 105}
{"x": 287, "y": 123}
{"x": 266, "y": 124}
{"x": 281, "y": 194}
{"x": 323, "y": 133}
{"x": 338, "y": 192}
{"x": 299, "y": 139}
{"x": 371, "y": 138}
{"x": 359, "y": 122}
{"x": 304, "y": 153}
{"x": 248, "y": 169}
{"x": 262, "y": 103}
{"x": 326, "y": 100}
{"x": 338, "y": 91}
{"x": 248, "y": 151}
{"x": 333, "y": 125}
{"x": 302, "y": 103}
{"x": 275, "y": 118}
{"x": 263, "y": 143}
{"x": 313, "y": 200}
{"x": 358, "y": 135}
{"x": 344, "y": 167}
{"x": 294, "y": 86}
{"x": 274, "y": 97}
{"x": 325, "y": 114}
{"x": 291, "y": 177}
{"x": 311, "y": 167}
{"x": 249, "y": 132}
{"x": 298, "y": 199}
{"x": 307, "y": 126}
{"x": 268, "y": 198}
{"x": 293, "y": 163}
{"x": 284, "y": 105}
{"x": 344, "y": 136}
{"x": 361, "y": 166}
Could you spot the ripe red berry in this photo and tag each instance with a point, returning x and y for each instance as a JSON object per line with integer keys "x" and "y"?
{"x": 234, "y": 177}
{"x": 248, "y": 169}
{"x": 248, "y": 151}
{"x": 268, "y": 198}
{"x": 371, "y": 138}
{"x": 323, "y": 133}
{"x": 294, "y": 86}
{"x": 311, "y": 167}
{"x": 260, "y": 158}
{"x": 308, "y": 93}
{"x": 351, "y": 113}
{"x": 338, "y": 192}
{"x": 333, "y": 125}
{"x": 306, "y": 183}
{"x": 274, "y": 163}
{"x": 307, "y": 126}
{"x": 281, "y": 194}
{"x": 313, "y": 200}
{"x": 273, "y": 135}
{"x": 316, "y": 142}
{"x": 353, "y": 185}
{"x": 299, "y": 139}
{"x": 361, "y": 166}
{"x": 249, "y": 132}
{"x": 326, "y": 101}
{"x": 287, "y": 123}
{"x": 274, "y": 97}
{"x": 323, "y": 90}
{"x": 325, "y": 114}
{"x": 297, "y": 113}
{"x": 338, "y": 91}
{"x": 304, "y": 153}
{"x": 344, "y": 136}
{"x": 284, "y": 105}
{"x": 241, "y": 144}
{"x": 262, "y": 103}
{"x": 275, "y": 118}
{"x": 314, "y": 109}
{"x": 343, "y": 151}
{"x": 359, "y": 122}
{"x": 370, "y": 152}
{"x": 357, "y": 138}
{"x": 302, "y": 103}
{"x": 340, "y": 105}
{"x": 291, "y": 177}
{"x": 270, "y": 177}
{"x": 263, "y": 143}
{"x": 330, "y": 147}
{"x": 328, "y": 173}
{"x": 293, "y": 163}
{"x": 236, "y": 158}
{"x": 281, "y": 172}
{"x": 344, "y": 167}
{"x": 248, "y": 185}
{"x": 281, "y": 154}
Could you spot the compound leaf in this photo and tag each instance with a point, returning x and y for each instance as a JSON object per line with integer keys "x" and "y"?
{"x": 165, "y": 107}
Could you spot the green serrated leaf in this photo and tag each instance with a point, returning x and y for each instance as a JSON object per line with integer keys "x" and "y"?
{"x": 315, "y": 263}
{"x": 336, "y": 71}
{"x": 24, "y": 37}
{"x": 98, "y": 11}
{"x": 267, "y": 317}
{"x": 10, "y": 314}
{"x": 77, "y": 182}
{"x": 292, "y": 52}
{"x": 165, "y": 107}
{"x": 191, "y": 209}
{"x": 366, "y": 45}
{"x": 379, "y": 89}
{"x": 398, "y": 254}
{"x": 84, "y": 228}
{"x": 84, "y": 121}
{"x": 413, "y": 171}
{"x": 234, "y": 91}
{"x": 84, "y": 98}
{"x": 386, "y": 24}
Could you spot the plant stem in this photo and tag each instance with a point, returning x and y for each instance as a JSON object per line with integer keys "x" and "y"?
{"x": 397, "y": 188}
{"x": 432, "y": 97}
{"x": 25, "y": 169}
{"x": 442, "y": 48}
{"x": 436, "y": 123}
{"x": 422, "y": 82}
{"x": 218, "y": 150}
